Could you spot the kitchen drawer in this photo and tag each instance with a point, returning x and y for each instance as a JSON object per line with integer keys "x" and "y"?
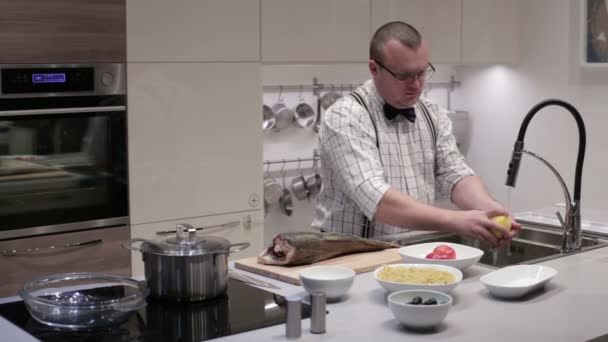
{"x": 235, "y": 227}
{"x": 105, "y": 257}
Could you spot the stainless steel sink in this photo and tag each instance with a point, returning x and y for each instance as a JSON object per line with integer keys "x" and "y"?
{"x": 533, "y": 244}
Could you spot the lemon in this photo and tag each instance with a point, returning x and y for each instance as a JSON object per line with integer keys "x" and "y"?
{"x": 503, "y": 221}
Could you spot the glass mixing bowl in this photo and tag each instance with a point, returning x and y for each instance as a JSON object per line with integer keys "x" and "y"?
{"x": 83, "y": 300}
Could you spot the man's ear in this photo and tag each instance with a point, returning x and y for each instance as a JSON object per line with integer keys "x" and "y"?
{"x": 373, "y": 67}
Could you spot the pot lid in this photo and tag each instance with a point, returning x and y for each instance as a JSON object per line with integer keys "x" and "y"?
{"x": 186, "y": 242}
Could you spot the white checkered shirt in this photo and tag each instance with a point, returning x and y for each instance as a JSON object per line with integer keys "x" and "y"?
{"x": 356, "y": 176}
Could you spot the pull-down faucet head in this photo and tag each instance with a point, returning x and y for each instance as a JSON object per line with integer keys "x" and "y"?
{"x": 572, "y": 222}
{"x": 514, "y": 164}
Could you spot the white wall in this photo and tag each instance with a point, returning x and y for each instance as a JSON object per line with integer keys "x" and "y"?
{"x": 498, "y": 98}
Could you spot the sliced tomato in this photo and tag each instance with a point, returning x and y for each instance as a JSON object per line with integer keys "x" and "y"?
{"x": 438, "y": 256}
{"x": 446, "y": 251}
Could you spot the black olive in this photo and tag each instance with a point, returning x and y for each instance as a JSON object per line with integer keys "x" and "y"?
{"x": 416, "y": 300}
{"x": 430, "y": 301}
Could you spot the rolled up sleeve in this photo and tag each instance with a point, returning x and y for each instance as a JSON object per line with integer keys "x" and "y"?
{"x": 450, "y": 165}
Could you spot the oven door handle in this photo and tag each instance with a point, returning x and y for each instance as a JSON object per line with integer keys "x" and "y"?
{"x": 30, "y": 251}
{"x": 48, "y": 111}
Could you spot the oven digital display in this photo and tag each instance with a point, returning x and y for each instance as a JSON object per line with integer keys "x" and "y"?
{"x": 48, "y": 78}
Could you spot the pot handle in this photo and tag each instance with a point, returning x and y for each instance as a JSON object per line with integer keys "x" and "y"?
{"x": 239, "y": 247}
{"x": 129, "y": 244}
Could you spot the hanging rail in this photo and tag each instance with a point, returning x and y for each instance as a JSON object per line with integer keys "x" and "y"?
{"x": 315, "y": 157}
{"x": 317, "y": 87}
{"x": 287, "y": 161}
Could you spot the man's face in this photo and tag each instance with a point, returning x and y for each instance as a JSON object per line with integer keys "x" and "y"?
{"x": 401, "y": 61}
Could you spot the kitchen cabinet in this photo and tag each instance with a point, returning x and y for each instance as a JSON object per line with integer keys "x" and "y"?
{"x": 438, "y": 21}
{"x": 490, "y": 31}
{"x": 62, "y": 31}
{"x": 105, "y": 257}
{"x": 459, "y": 32}
{"x": 237, "y": 227}
{"x": 193, "y": 30}
{"x": 315, "y": 30}
{"x": 195, "y": 140}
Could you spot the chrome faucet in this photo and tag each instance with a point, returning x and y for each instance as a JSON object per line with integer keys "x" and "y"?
{"x": 572, "y": 224}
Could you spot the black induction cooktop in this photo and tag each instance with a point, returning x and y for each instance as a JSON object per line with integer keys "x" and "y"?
{"x": 242, "y": 308}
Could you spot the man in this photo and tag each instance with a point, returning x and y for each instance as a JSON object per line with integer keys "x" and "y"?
{"x": 385, "y": 153}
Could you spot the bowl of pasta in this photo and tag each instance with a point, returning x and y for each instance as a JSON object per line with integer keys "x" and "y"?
{"x": 398, "y": 277}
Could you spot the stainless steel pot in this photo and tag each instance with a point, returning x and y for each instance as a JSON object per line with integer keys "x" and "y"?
{"x": 304, "y": 115}
{"x": 187, "y": 267}
{"x": 298, "y": 186}
{"x": 268, "y": 118}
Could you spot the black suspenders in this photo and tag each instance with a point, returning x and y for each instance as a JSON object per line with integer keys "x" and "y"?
{"x": 425, "y": 113}
{"x": 368, "y": 226}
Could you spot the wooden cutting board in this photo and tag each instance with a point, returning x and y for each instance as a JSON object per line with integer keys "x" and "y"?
{"x": 360, "y": 263}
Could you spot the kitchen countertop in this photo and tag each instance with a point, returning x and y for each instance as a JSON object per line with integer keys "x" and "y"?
{"x": 573, "y": 307}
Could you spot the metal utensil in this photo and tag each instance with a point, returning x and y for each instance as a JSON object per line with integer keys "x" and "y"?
{"x": 304, "y": 115}
{"x": 329, "y": 99}
{"x": 284, "y": 116}
{"x": 286, "y": 202}
{"x": 317, "y": 125}
{"x": 268, "y": 118}
{"x": 250, "y": 280}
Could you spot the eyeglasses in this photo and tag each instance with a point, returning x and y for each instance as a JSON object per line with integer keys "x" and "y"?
{"x": 409, "y": 77}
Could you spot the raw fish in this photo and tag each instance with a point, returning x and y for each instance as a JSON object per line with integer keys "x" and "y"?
{"x": 301, "y": 248}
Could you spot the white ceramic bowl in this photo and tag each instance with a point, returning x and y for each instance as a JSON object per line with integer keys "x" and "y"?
{"x": 334, "y": 281}
{"x": 419, "y": 316}
{"x": 392, "y": 286}
{"x": 466, "y": 256}
{"x": 518, "y": 280}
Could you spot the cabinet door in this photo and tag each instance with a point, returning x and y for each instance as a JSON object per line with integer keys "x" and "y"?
{"x": 438, "y": 21}
{"x": 315, "y": 30}
{"x": 193, "y": 30}
{"x": 490, "y": 31}
{"x": 108, "y": 256}
{"x": 62, "y": 31}
{"x": 236, "y": 228}
{"x": 195, "y": 139}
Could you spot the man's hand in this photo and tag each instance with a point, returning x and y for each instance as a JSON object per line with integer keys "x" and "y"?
{"x": 477, "y": 224}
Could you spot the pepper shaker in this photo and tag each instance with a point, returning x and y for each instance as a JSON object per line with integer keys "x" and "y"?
{"x": 293, "y": 327}
{"x": 317, "y": 316}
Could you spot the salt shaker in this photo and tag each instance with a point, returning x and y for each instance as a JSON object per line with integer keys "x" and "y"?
{"x": 317, "y": 316}
{"x": 293, "y": 327}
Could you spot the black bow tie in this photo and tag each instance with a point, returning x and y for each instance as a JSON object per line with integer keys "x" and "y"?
{"x": 391, "y": 112}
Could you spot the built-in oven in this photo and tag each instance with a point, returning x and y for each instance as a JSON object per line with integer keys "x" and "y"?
{"x": 63, "y": 148}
